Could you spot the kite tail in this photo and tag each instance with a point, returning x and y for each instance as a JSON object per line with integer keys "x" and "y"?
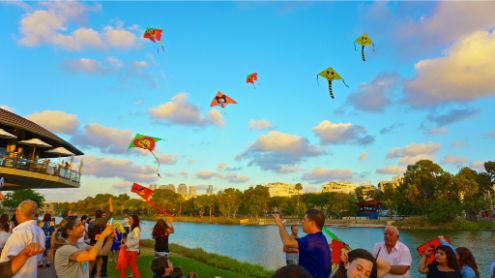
{"x": 362, "y": 53}
{"x": 157, "y": 162}
{"x": 355, "y": 46}
{"x": 254, "y": 86}
{"x": 345, "y": 83}
{"x": 330, "y": 88}
{"x": 161, "y": 44}
{"x": 317, "y": 82}
{"x": 373, "y": 47}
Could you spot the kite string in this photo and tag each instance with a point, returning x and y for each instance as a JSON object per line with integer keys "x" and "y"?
{"x": 157, "y": 162}
{"x": 158, "y": 208}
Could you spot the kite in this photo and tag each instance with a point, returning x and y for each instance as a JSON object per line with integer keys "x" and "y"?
{"x": 145, "y": 193}
{"x": 337, "y": 246}
{"x": 147, "y": 143}
{"x": 251, "y": 78}
{"x": 330, "y": 74}
{"x": 434, "y": 243}
{"x": 222, "y": 100}
{"x": 154, "y": 35}
{"x": 364, "y": 40}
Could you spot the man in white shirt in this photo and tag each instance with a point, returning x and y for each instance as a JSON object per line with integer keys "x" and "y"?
{"x": 394, "y": 252}
{"x": 24, "y": 234}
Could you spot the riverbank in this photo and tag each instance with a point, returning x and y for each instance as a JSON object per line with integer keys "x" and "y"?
{"x": 196, "y": 260}
{"x": 410, "y": 223}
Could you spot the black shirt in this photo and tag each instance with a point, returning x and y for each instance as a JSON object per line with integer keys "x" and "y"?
{"x": 161, "y": 244}
{"x": 435, "y": 273}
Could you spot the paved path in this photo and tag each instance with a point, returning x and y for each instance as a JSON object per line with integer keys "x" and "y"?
{"x": 46, "y": 272}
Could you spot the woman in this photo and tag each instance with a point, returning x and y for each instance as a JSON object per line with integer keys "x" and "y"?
{"x": 160, "y": 234}
{"x": 467, "y": 263}
{"x": 71, "y": 256}
{"x": 444, "y": 266}
{"x": 360, "y": 263}
{"x": 48, "y": 228}
{"x": 132, "y": 245}
{"x": 4, "y": 230}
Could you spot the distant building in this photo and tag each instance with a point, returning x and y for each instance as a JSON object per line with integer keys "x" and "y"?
{"x": 339, "y": 187}
{"x": 365, "y": 192}
{"x": 192, "y": 191}
{"x": 279, "y": 189}
{"x": 394, "y": 183}
{"x": 182, "y": 190}
{"x": 153, "y": 186}
{"x": 47, "y": 208}
{"x": 168, "y": 186}
{"x": 209, "y": 190}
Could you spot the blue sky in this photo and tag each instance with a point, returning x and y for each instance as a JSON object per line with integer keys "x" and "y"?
{"x": 83, "y": 70}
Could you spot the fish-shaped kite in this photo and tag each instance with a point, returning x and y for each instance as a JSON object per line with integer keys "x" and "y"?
{"x": 330, "y": 74}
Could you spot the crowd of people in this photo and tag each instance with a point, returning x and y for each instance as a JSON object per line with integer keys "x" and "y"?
{"x": 388, "y": 259}
{"x": 79, "y": 247}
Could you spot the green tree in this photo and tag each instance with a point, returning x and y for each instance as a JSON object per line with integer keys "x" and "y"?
{"x": 443, "y": 211}
{"x": 298, "y": 187}
{"x": 256, "y": 199}
{"x": 14, "y": 198}
{"x": 229, "y": 201}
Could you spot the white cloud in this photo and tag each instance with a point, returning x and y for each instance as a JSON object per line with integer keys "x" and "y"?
{"x": 288, "y": 169}
{"x": 206, "y": 175}
{"x": 106, "y": 139}
{"x": 491, "y": 134}
{"x": 164, "y": 158}
{"x": 260, "y": 124}
{"x": 451, "y": 159}
{"x": 457, "y": 144}
{"x": 391, "y": 170}
{"x": 320, "y": 174}
{"x": 414, "y": 149}
{"x": 118, "y": 168}
{"x": 374, "y": 96}
{"x": 363, "y": 156}
{"x": 84, "y": 65}
{"x": 221, "y": 166}
{"x": 465, "y": 73}
{"x": 55, "y": 121}
{"x": 409, "y": 160}
{"x": 478, "y": 165}
{"x": 276, "y": 149}
{"x": 341, "y": 133}
{"x": 181, "y": 112}
{"x": 49, "y": 26}
{"x": 231, "y": 177}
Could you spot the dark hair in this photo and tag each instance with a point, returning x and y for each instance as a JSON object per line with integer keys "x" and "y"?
{"x": 316, "y": 216}
{"x": 467, "y": 258}
{"x": 177, "y": 272}
{"x": 84, "y": 217}
{"x": 158, "y": 265}
{"x": 135, "y": 221}
{"x": 291, "y": 271}
{"x": 70, "y": 223}
{"x": 47, "y": 217}
{"x": 98, "y": 213}
{"x": 357, "y": 254}
{"x": 451, "y": 259}
{"x": 4, "y": 223}
{"x": 160, "y": 228}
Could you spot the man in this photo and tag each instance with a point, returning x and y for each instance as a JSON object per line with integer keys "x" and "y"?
{"x": 72, "y": 259}
{"x": 314, "y": 253}
{"x": 96, "y": 227}
{"x": 24, "y": 234}
{"x": 291, "y": 254}
{"x": 395, "y": 253}
{"x": 9, "y": 268}
{"x": 162, "y": 267}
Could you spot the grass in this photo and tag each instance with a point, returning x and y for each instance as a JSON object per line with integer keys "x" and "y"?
{"x": 196, "y": 260}
{"x": 460, "y": 224}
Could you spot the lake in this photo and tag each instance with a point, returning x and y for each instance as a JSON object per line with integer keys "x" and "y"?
{"x": 261, "y": 244}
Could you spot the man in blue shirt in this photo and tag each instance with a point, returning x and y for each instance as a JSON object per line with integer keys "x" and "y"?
{"x": 314, "y": 253}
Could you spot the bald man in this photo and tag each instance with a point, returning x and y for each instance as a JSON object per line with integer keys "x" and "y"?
{"x": 24, "y": 234}
{"x": 394, "y": 252}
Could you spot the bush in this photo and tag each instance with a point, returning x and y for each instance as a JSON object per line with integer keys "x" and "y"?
{"x": 443, "y": 211}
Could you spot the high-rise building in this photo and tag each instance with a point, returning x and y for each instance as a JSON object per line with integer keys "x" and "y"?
{"x": 394, "y": 183}
{"x": 182, "y": 190}
{"x": 168, "y": 186}
{"x": 339, "y": 187}
{"x": 209, "y": 190}
{"x": 192, "y": 191}
{"x": 153, "y": 186}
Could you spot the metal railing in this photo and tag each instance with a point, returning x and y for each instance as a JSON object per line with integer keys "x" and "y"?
{"x": 43, "y": 167}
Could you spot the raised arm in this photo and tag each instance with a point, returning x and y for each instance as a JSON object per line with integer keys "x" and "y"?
{"x": 423, "y": 266}
{"x": 92, "y": 253}
{"x": 171, "y": 228}
{"x": 287, "y": 241}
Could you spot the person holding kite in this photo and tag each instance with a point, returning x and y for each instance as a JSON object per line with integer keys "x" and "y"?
{"x": 394, "y": 252}
{"x": 445, "y": 264}
{"x": 132, "y": 248}
{"x": 314, "y": 253}
{"x": 161, "y": 232}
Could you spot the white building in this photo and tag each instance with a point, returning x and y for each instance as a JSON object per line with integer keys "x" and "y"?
{"x": 168, "y": 186}
{"x": 279, "y": 189}
{"x": 209, "y": 190}
{"x": 192, "y": 191}
{"x": 182, "y": 190}
{"x": 366, "y": 192}
{"x": 339, "y": 187}
{"x": 394, "y": 183}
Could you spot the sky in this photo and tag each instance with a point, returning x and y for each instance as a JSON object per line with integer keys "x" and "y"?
{"x": 84, "y": 71}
